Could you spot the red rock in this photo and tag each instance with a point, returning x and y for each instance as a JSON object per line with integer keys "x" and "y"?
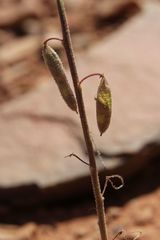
{"x": 38, "y": 130}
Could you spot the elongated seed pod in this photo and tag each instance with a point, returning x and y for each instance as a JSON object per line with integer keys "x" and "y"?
{"x": 56, "y": 68}
{"x": 103, "y": 106}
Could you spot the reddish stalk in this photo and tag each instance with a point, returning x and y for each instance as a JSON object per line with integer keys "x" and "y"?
{"x": 53, "y": 38}
{"x": 90, "y": 75}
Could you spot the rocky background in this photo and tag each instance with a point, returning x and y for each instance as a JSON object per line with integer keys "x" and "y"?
{"x": 117, "y": 38}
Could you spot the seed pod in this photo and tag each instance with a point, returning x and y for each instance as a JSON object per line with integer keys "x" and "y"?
{"x": 56, "y": 68}
{"x": 103, "y": 106}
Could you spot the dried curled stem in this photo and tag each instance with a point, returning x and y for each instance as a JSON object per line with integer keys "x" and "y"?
{"x": 109, "y": 179}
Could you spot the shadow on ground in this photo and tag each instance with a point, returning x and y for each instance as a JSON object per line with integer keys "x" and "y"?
{"x": 29, "y": 209}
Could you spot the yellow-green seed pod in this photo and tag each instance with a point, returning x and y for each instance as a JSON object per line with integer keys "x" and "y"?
{"x": 56, "y": 68}
{"x": 103, "y": 106}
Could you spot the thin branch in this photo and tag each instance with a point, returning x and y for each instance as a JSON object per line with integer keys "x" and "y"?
{"x": 74, "y": 155}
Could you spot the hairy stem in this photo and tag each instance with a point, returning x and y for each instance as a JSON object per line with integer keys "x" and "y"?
{"x": 93, "y": 168}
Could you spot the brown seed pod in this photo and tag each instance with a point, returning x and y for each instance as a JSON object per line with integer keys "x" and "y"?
{"x": 103, "y": 106}
{"x": 56, "y": 68}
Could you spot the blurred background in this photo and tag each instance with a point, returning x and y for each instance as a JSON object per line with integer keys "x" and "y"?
{"x": 44, "y": 195}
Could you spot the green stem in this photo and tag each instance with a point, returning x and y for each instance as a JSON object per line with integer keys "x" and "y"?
{"x": 93, "y": 168}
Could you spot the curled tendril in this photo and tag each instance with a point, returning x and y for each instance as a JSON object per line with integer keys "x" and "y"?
{"x": 109, "y": 179}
